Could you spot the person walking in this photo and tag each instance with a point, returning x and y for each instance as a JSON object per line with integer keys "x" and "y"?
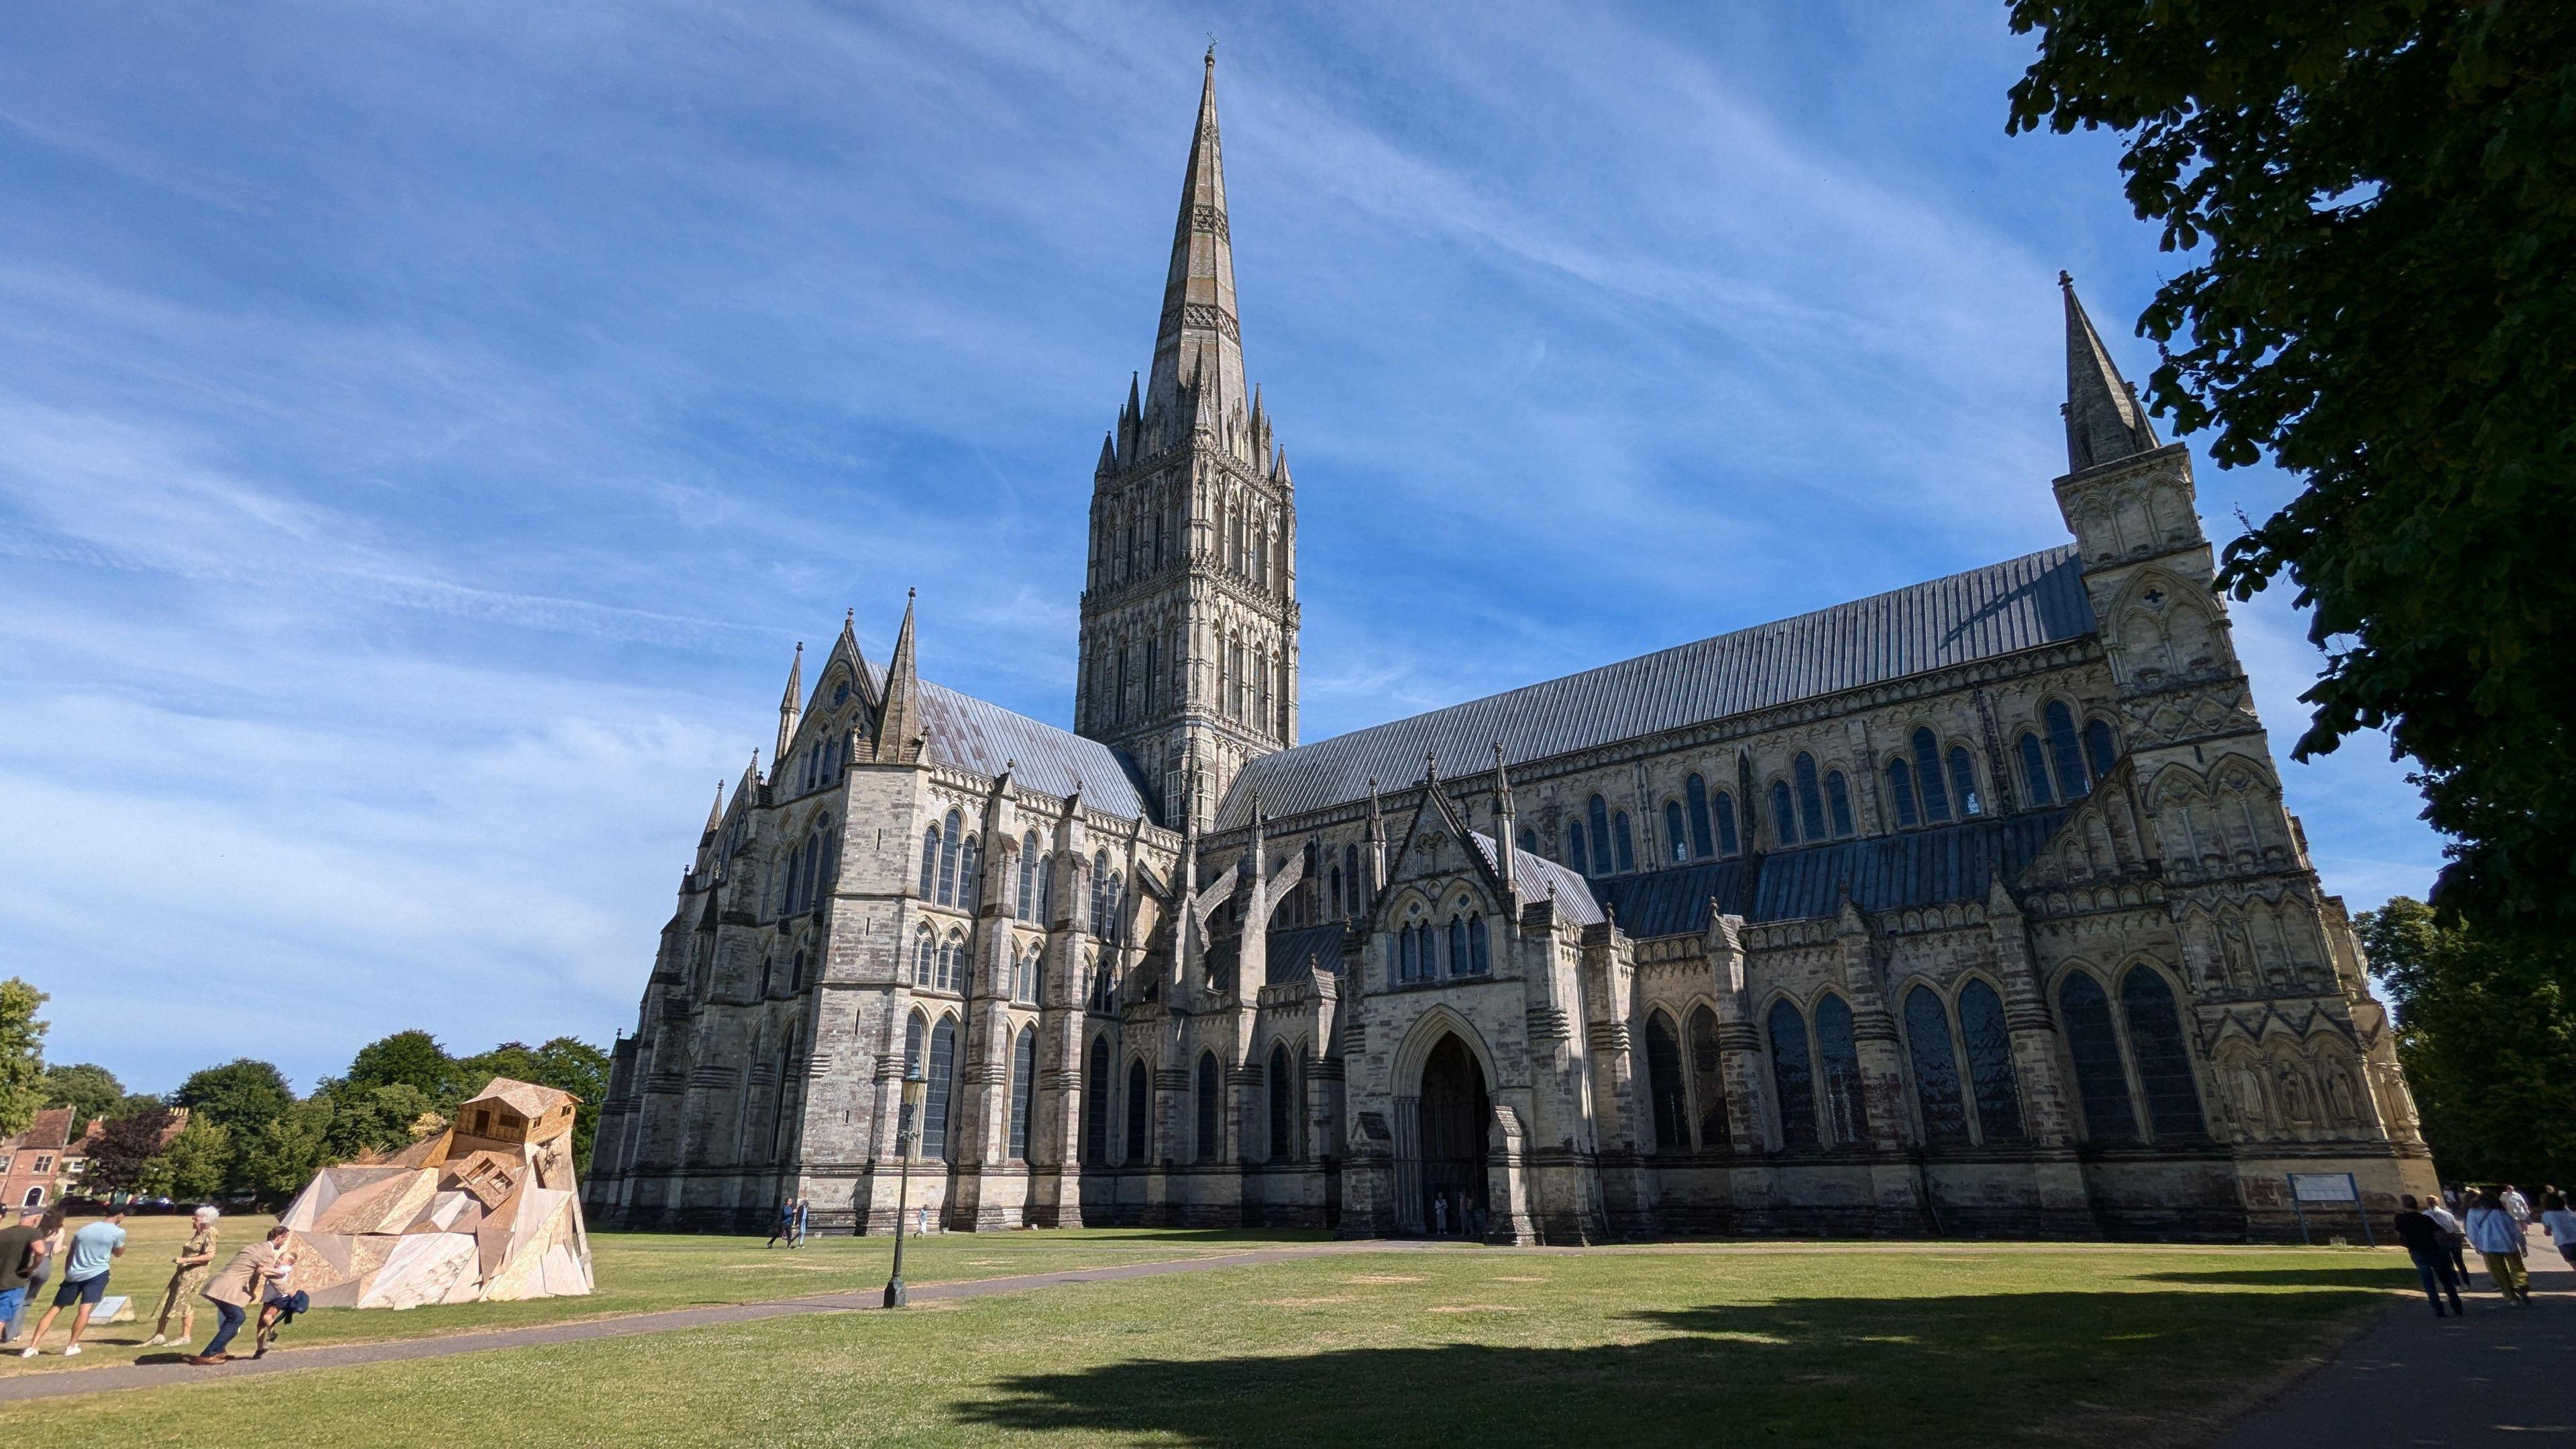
{"x": 2559, "y": 1224}
{"x": 2454, "y": 1237}
{"x": 92, "y": 1250}
{"x": 17, "y": 1257}
{"x": 40, "y": 1258}
{"x": 785, "y": 1227}
{"x": 802, "y": 1206}
{"x": 2498, "y": 1239}
{"x": 2515, "y": 1205}
{"x": 187, "y": 1278}
{"x": 2423, "y": 1243}
{"x": 235, "y": 1289}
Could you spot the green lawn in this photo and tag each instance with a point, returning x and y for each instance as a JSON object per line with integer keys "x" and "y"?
{"x": 1932, "y": 1345}
{"x": 634, "y": 1273}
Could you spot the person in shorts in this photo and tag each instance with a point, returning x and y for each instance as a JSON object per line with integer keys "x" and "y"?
{"x": 85, "y": 1267}
{"x": 17, "y": 1260}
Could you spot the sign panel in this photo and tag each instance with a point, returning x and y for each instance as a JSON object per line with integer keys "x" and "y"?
{"x": 2324, "y": 1187}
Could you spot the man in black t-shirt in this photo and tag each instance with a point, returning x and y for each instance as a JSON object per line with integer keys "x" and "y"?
{"x": 2423, "y": 1240}
{"x": 15, "y": 1240}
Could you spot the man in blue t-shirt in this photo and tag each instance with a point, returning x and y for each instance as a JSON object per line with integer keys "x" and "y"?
{"x": 93, "y": 1248}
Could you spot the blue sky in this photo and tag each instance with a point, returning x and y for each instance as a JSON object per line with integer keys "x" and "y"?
{"x": 429, "y": 429}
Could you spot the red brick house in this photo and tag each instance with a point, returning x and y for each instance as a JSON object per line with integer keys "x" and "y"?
{"x": 32, "y": 1163}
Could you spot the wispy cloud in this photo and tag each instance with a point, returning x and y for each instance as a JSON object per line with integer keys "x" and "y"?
{"x": 429, "y": 430}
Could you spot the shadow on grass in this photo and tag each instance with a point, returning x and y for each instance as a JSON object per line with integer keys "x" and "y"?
{"x": 2400, "y": 1276}
{"x": 2114, "y": 1367}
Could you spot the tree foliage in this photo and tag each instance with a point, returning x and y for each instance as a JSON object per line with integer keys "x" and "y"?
{"x": 411, "y": 1058}
{"x": 2379, "y": 197}
{"x": 2487, "y": 1032}
{"x": 22, "y": 1055}
{"x": 240, "y": 1094}
{"x": 198, "y": 1160}
{"x": 125, "y": 1156}
{"x": 90, "y": 1090}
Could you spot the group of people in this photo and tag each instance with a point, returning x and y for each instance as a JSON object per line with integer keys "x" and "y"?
{"x": 790, "y": 1224}
{"x": 1455, "y": 1214}
{"x": 257, "y": 1275}
{"x": 2496, "y": 1221}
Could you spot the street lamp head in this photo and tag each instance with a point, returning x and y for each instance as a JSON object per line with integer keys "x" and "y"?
{"x": 913, "y": 1087}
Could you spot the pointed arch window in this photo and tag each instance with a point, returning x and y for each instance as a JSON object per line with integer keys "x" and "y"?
{"x": 1037, "y": 974}
{"x": 1669, "y": 1102}
{"x": 1211, "y": 1103}
{"x": 2100, "y": 751}
{"x": 1838, "y": 802}
{"x": 915, "y": 1033}
{"x": 2094, "y": 1046}
{"x": 1724, "y": 809}
{"x": 1095, "y": 1101}
{"x": 1900, "y": 795}
{"x": 796, "y": 972}
{"x": 1811, "y": 799}
{"x": 940, "y": 1073}
{"x": 925, "y": 957}
{"x": 1708, "y": 1078}
{"x": 1153, "y": 674}
{"x": 1139, "y": 1105}
{"x": 1457, "y": 946}
{"x": 1695, "y": 801}
{"x": 1838, "y": 1062}
{"x": 1100, "y": 893}
{"x": 1529, "y": 840}
{"x": 2164, "y": 1061}
{"x": 1936, "y": 1068}
{"x": 2065, "y": 751}
{"x": 2034, "y": 770}
{"x": 1574, "y": 855}
{"x": 1990, "y": 1064}
{"x": 1046, "y": 890}
{"x": 1627, "y": 846}
{"x": 1479, "y": 959}
{"x": 1793, "y": 1079}
{"x": 1028, "y": 901}
{"x": 1784, "y": 819}
{"x": 1024, "y": 1089}
{"x": 1283, "y": 1107}
{"x": 1927, "y": 774}
{"x": 1963, "y": 784}
{"x": 952, "y": 964}
{"x": 970, "y": 874}
{"x": 1351, "y": 877}
{"x": 951, "y": 837}
{"x": 1676, "y": 841}
{"x": 1598, "y": 811}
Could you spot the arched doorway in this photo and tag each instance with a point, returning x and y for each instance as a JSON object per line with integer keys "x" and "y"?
{"x": 1457, "y": 1120}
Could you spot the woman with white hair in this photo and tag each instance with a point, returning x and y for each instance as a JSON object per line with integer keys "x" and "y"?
{"x": 188, "y": 1278}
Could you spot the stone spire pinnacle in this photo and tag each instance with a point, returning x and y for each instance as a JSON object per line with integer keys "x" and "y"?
{"x": 899, "y": 722}
{"x": 791, "y": 703}
{"x": 715, "y": 812}
{"x": 1506, "y": 819}
{"x": 2104, "y": 420}
{"x": 1198, "y": 345}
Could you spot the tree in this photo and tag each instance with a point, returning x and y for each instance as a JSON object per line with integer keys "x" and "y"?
{"x": 90, "y": 1090}
{"x": 2386, "y": 194}
{"x": 365, "y": 1120}
{"x": 413, "y": 1058}
{"x": 22, "y": 1056}
{"x": 2487, "y": 1033}
{"x": 125, "y": 1156}
{"x": 241, "y": 1094}
{"x": 281, "y": 1154}
{"x": 199, "y": 1160}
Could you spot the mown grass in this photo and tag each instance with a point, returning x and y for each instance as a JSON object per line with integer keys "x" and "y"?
{"x": 633, "y": 1273}
{"x": 1941, "y": 1345}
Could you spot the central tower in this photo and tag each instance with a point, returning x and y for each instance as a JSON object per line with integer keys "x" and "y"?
{"x": 1189, "y": 608}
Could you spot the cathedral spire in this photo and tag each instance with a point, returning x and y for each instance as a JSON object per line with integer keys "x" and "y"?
{"x": 899, "y": 722}
{"x": 2104, "y": 420}
{"x": 715, "y": 812}
{"x": 1198, "y": 344}
{"x": 791, "y": 703}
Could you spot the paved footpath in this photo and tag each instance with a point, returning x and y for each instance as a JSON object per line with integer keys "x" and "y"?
{"x": 283, "y": 1360}
{"x": 2502, "y": 1375}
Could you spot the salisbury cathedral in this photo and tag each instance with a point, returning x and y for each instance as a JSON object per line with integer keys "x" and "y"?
{"x": 1970, "y": 908}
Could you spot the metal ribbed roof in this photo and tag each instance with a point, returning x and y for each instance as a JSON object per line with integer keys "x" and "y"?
{"x": 2003, "y": 608}
{"x": 976, "y": 735}
{"x": 1539, "y": 878}
{"x": 1914, "y": 868}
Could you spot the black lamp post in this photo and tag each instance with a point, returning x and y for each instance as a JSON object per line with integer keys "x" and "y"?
{"x": 912, "y": 1089}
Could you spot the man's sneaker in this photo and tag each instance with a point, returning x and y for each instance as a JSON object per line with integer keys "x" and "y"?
{"x": 71, "y": 1350}
{"x": 28, "y": 1352}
